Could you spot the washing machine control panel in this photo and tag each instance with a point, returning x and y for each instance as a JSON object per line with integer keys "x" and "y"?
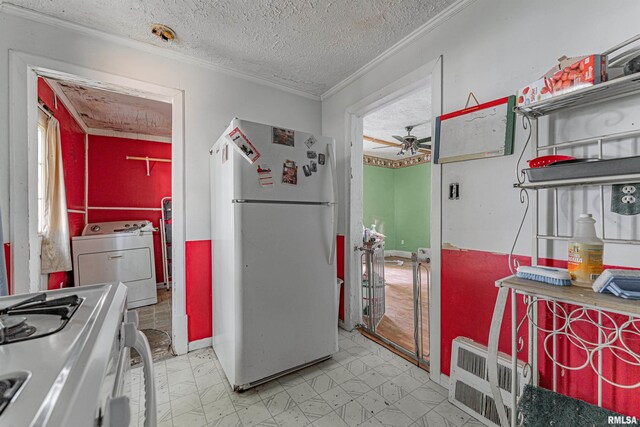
{"x": 97, "y": 228}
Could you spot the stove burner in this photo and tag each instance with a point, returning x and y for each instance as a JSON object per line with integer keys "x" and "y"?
{"x": 36, "y": 317}
{"x": 9, "y": 386}
{"x": 16, "y": 327}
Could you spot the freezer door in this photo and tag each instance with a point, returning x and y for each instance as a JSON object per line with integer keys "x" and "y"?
{"x": 318, "y": 186}
{"x": 288, "y": 296}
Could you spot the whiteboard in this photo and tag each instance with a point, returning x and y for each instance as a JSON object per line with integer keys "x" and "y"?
{"x": 485, "y": 130}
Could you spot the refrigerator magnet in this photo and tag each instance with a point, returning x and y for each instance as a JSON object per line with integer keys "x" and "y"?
{"x": 310, "y": 141}
{"x": 247, "y": 149}
{"x": 313, "y": 166}
{"x": 283, "y": 137}
{"x": 264, "y": 176}
{"x": 290, "y": 173}
{"x": 306, "y": 170}
{"x": 321, "y": 159}
{"x": 311, "y": 154}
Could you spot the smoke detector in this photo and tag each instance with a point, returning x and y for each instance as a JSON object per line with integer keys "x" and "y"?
{"x": 165, "y": 33}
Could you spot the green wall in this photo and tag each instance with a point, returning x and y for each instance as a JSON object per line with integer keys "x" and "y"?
{"x": 378, "y": 201}
{"x": 398, "y": 201}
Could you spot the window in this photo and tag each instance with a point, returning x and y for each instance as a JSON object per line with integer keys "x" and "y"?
{"x": 42, "y": 153}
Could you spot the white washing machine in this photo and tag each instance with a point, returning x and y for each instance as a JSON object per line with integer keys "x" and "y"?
{"x": 120, "y": 251}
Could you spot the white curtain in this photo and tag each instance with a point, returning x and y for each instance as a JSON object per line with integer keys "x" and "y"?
{"x": 56, "y": 250}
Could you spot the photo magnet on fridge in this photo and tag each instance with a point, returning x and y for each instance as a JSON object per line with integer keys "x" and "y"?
{"x": 313, "y": 166}
{"x": 306, "y": 170}
{"x": 283, "y": 137}
{"x": 310, "y": 141}
{"x": 311, "y": 154}
{"x": 290, "y": 173}
{"x": 321, "y": 159}
{"x": 246, "y": 148}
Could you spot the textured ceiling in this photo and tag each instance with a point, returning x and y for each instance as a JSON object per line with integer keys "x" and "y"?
{"x": 101, "y": 109}
{"x": 413, "y": 109}
{"x": 310, "y": 45}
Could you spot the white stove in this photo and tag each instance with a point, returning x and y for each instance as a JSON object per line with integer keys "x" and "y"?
{"x": 64, "y": 356}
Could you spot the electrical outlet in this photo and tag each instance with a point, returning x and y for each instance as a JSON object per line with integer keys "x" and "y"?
{"x": 625, "y": 199}
{"x": 402, "y": 242}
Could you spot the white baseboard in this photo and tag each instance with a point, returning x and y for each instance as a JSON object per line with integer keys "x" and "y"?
{"x": 444, "y": 381}
{"x": 198, "y": 344}
{"x": 403, "y": 254}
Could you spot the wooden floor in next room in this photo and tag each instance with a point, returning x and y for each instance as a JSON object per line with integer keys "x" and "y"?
{"x": 397, "y": 323}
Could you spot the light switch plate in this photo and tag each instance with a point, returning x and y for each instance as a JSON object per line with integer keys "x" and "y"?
{"x": 454, "y": 191}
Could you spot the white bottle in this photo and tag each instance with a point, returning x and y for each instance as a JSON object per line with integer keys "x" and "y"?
{"x": 585, "y": 252}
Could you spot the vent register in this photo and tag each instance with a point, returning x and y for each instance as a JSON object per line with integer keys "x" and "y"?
{"x": 470, "y": 389}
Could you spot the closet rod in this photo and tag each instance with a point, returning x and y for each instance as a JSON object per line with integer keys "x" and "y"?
{"x": 149, "y": 159}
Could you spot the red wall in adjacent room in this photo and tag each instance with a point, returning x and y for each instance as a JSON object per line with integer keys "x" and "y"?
{"x": 72, "y": 141}
{"x": 115, "y": 181}
{"x": 468, "y": 299}
{"x": 198, "y": 284}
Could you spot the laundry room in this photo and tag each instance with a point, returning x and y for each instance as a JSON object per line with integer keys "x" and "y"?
{"x": 110, "y": 159}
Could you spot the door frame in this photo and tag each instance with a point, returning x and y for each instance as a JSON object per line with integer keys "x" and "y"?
{"x": 353, "y": 134}
{"x": 24, "y": 70}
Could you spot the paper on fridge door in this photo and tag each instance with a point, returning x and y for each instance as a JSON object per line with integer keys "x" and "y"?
{"x": 264, "y": 176}
{"x": 244, "y": 146}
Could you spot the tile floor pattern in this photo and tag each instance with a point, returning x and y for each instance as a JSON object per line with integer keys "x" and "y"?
{"x": 155, "y": 323}
{"x": 364, "y": 384}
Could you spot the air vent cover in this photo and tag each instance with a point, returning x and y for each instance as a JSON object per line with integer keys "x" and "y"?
{"x": 470, "y": 389}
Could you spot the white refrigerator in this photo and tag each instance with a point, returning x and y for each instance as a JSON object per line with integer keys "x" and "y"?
{"x": 273, "y": 226}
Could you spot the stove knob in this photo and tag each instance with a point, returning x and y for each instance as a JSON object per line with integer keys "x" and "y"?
{"x": 95, "y": 228}
{"x": 127, "y": 226}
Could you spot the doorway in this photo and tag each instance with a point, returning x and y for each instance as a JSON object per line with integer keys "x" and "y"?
{"x": 90, "y": 154}
{"x": 114, "y": 152}
{"x": 396, "y": 162}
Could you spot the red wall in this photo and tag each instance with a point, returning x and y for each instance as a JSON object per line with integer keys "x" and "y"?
{"x": 117, "y": 182}
{"x": 468, "y": 299}
{"x": 72, "y": 141}
{"x": 198, "y": 284}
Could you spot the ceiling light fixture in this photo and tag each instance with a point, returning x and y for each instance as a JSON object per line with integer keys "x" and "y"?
{"x": 165, "y": 33}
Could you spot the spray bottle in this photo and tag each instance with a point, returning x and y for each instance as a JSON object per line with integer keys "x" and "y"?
{"x": 585, "y": 252}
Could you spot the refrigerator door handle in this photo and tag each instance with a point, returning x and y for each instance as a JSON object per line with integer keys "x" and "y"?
{"x": 334, "y": 204}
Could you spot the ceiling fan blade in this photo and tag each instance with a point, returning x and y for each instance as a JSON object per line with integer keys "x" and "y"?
{"x": 399, "y": 138}
{"x": 385, "y": 146}
{"x": 425, "y": 146}
{"x": 423, "y": 140}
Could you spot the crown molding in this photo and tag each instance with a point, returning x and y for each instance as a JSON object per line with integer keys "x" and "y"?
{"x": 395, "y": 164}
{"x": 32, "y": 15}
{"x": 425, "y": 28}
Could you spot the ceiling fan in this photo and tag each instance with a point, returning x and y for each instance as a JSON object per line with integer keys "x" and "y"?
{"x": 409, "y": 143}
